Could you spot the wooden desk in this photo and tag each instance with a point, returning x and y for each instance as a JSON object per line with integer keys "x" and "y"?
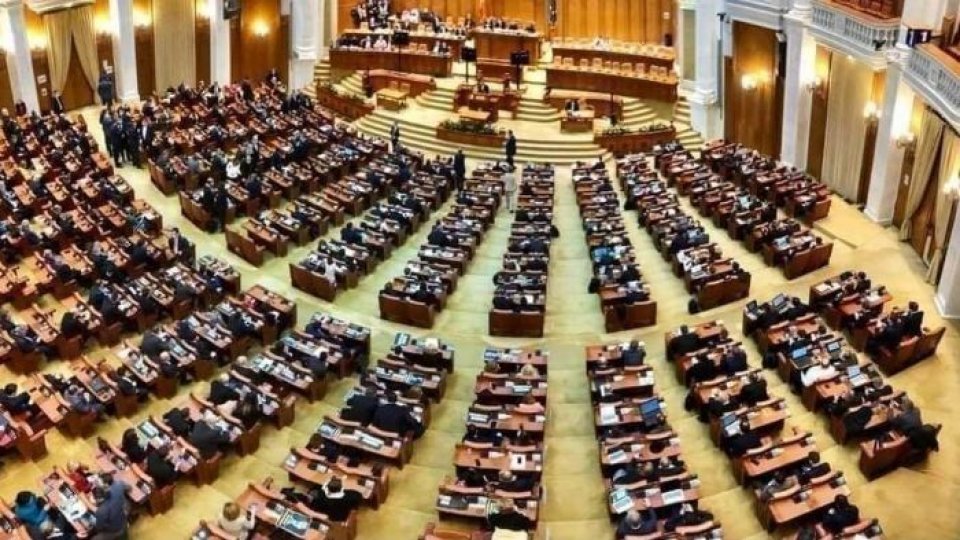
{"x": 500, "y": 44}
{"x": 577, "y": 122}
{"x": 622, "y": 84}
{"x": 819, "y": 494}
{"x": 407, "y": 60}
{"x": 392, "y": 99}
{"x": 632, "y": 53}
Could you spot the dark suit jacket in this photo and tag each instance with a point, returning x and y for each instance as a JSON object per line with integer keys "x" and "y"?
{"x": 361, "y": 408}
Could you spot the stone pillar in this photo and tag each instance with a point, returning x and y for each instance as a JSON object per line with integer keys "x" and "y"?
{"x": 686, "y": 44}
{"x": 124, "y": 50}
{"x": 306, "y": 37}
{"x": 19, "y": 62}
{"x": 801, "y": 55}
{"x": 704, "y": 106}
{"x": 219, "y": 44}
{"x": 888, "y": 158}
{"x": 948, "y": 292}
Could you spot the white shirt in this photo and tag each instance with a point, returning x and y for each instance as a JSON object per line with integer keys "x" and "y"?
{"x": 816, "y": 374}
{"x": 509, "y": 182}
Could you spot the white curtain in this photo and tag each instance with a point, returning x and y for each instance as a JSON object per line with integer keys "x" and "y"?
{"x": 928, "y": 144}
{"x": 66, "y": 28}
{"x": 851, "y": 85}
{"x": 59, "y": 43}
{"x": 174, "y": 35}
{"x": 81, "y": 25}
{"x": 949, "y": 167}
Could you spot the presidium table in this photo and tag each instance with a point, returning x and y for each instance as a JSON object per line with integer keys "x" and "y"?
{"x": 499, "y": 44}
{"x": 407, "y": 60}
{"x": 620, "y": 83}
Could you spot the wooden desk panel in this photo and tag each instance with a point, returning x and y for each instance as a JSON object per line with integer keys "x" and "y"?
{"x": 405, "y": 61}
{"x": 612, "y": 83}
{"x": 640, "y": 56}
{"x": 499, "y": 45}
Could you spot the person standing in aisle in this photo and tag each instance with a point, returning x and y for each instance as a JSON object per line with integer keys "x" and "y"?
{"x": 460, "y": 168}
{"x": 395, "y": 137}
{"x": 510, "y": 187}
{"x": 510, "y": 147}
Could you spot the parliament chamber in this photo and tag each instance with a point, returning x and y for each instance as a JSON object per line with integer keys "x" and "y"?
{"x": 479, "y": 269}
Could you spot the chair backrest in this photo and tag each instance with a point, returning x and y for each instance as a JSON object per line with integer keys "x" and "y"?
{"x": 584, "y": 63}
{"x": 568, "y": 62}
{"x": 394, "y": 85}
{"x": 405, "y": 87}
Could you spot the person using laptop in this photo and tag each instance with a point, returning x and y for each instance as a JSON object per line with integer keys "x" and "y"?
{"x": 821, "y": 371}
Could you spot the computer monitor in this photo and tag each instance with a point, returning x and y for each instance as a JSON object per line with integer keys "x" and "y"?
{"x": 728, "y": 420}
{"x": 778, "y": 300}
{"x": 752, "y": 305}
{"x": 745, "y": 200}
{"x": 797, "y": 354}
{"x": 853, "y": 371}
{"x": 833, "y": 346}
{"x": 649, "y": 408}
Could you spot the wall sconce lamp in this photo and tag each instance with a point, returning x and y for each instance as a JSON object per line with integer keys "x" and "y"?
{"x": 37, "y": 42}
{"x": 871, "y": 112}
{"x": 102, "y": 26}
{"x": 906, "y": 141}
{"x": 952, "y": 188}
{"x": 260, "y": 29}
{"x": 204, "y": 9}
{"x": 749, "y": 83}
{"x": 141, "y": 19}
{"x": 816, "y": 87}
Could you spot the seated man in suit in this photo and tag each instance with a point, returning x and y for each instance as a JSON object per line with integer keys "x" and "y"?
{"x": 633, "y": 355}
{"x": 684, "y": 343}
{"x": 361, "y": 407}
{"x": 913, "y": 320}
{"x": 755, "y": 390}
{"x": 840, "y": 515}
{"x": 396, "y": 418}
{"x": 333, "y": 501}
{"x": 207, "y": 438}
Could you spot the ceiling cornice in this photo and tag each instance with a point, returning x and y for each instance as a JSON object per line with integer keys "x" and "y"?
{"x": 44, "y": 6}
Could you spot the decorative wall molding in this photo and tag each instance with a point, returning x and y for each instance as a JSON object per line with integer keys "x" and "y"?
{"x": 43, "y": 6}
{"x": 766, "y": 13}
{"x": 860, "y": 36}
{"x": 935, "y": 76}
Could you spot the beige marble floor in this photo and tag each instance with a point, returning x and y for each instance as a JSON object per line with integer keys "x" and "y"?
{"x": 574, "y": 508}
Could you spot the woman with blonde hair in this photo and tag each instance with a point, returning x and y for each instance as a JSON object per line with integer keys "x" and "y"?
{"x": 235, "y": 522}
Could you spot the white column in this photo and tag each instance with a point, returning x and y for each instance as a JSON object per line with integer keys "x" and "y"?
{"x": 19, "y": 62}
{"x": 704, "y": 107}
{"x": 329, "y": 34}
{"x": 306, "y": 21}
{"x": 801, "y": 55}
{"x": 948, "y": 292}
{"x": 219, "y": 44}
{"x": 888, "y": 158}
{"x": 124, "y": 50}
{"x": 684, "y": 42}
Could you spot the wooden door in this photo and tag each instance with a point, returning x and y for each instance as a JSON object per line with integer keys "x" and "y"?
{"x": 922, "y": 228}
{"x": 77, "y": 91}
{"x": 6, "y": 93}
{"x": 903, "y": 185}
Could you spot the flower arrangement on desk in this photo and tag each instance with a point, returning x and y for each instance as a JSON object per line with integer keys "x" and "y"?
{"x": 653, "y": 127}
{"x": 473, "y": 128}
{"x": 329, "y": 88}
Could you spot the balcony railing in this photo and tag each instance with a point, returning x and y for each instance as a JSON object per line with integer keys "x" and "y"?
{"x": 854, "y": 32}
{"x": 935, "y": 75}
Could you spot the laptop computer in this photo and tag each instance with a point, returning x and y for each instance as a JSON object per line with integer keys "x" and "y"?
{"x": 857, "y": 377}
{"x": 650, "y": 411}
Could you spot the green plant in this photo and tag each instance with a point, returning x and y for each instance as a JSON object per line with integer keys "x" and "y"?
{"x": 473, "y": 128}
